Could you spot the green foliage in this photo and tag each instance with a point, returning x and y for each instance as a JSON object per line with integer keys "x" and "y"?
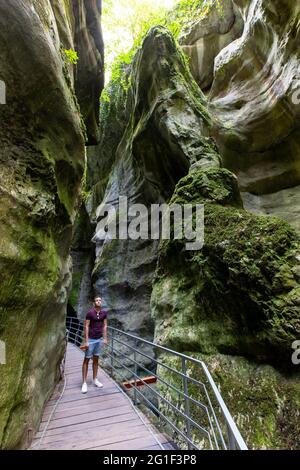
{"x": 123, "y": 60}
{"x": 124, "y": 22}
{"x": 72, "y": 56}
{"x": 142, "y": 16}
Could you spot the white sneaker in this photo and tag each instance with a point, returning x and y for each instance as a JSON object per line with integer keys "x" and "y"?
{"x": 84, "y": 388}
{"x": 97, "y": 383}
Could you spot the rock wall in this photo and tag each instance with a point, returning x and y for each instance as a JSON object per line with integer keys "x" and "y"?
{"x": 89, "y": 77}
{"x": 235, "y": 304}
{"x": 254, "y": 97}
{"x": 165, "y": 131}
{"x": 41, "y": 165}
{"x": 202, "y": 40}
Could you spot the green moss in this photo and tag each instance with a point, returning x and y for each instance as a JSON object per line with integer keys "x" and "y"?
{"x": 208, "y": 185}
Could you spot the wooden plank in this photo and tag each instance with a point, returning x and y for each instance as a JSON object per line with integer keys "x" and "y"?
{"x": 58, "y": 423}
{"x": 81, "y": 410}
{"x": 69, "y": 372}
{"x": 105, "y": 442}
{"x": 101, "y": 419}
{"x": 76, "y": 378}
{"x": 126, "y": 416}
{"x": 76, "y": 385}
{"x": 80, "y": 441}
{"x": 170, "y": 446}
{"x": 138, "y": 442}
{"x": 96, "y": 432}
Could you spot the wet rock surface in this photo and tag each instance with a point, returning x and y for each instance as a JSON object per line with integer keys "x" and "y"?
{"x": 41, "y": 165}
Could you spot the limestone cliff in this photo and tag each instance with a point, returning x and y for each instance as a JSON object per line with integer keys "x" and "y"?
{"x": 236, "y": 302}
{"x": 42, "y": 158}
{"x": 166, "y": 132}
{"x": 253, "y": 86}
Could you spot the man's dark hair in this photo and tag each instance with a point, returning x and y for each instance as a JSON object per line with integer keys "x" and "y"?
{"x": 97, "y": 297}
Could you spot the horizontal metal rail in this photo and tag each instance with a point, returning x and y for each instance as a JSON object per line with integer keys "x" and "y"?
{"x": 216, "y": 426}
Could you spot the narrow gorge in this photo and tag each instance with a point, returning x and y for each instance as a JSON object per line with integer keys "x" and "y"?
{"x": 210, "y": 115}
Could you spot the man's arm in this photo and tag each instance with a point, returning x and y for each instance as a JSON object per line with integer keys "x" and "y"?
{"x": 86, "y": 331}
{"x": 105, "y": 331}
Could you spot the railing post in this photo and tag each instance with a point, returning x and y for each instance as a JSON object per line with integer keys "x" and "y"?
{"x": 70, "y": 328}
{"x": 76, "y": 336}
{"x": 135, "y": 373}
{"x": 231, "y": 439}
{"x": 112, "y": 352}
{"x": 186, "y": 402}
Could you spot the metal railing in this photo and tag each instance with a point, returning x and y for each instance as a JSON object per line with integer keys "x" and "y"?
{"x": 185, "y": 397}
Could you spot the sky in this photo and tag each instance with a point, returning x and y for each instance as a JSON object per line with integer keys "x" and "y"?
{"x": 121, "y": 19}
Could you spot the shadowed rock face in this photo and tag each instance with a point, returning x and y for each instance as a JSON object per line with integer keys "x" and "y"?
{"x": 41, "y": 166}
{"x": 249, "y": 56}
{"x": 89, "y": 77}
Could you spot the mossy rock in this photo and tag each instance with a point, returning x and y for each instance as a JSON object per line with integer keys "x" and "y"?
{"x": 248, "y": 261}
{"x": 236, "y": 303}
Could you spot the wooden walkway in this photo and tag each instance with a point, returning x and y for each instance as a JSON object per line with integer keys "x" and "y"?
{"x": 102, "y": 419}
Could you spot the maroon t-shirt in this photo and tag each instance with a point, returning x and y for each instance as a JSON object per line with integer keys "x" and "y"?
{"x": 96, "y": 323}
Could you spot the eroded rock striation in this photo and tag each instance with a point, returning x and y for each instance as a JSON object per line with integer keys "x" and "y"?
{"x": 245, "y": 54}
{"x": 202, "y": 40}
{"x": 255, "y": 98}
{"x": 42, "y": 159}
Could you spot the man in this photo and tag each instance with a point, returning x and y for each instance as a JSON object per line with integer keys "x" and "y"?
{"x": 95, "y": 336}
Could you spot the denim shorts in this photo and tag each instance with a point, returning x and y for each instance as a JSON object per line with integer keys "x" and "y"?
{"x": 95, "y": 347}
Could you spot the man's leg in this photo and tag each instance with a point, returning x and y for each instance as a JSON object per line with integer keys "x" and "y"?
{"x": 85, "y": 367}
{"x": 95, "y": 372}
{"x": 95, "y": 366}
